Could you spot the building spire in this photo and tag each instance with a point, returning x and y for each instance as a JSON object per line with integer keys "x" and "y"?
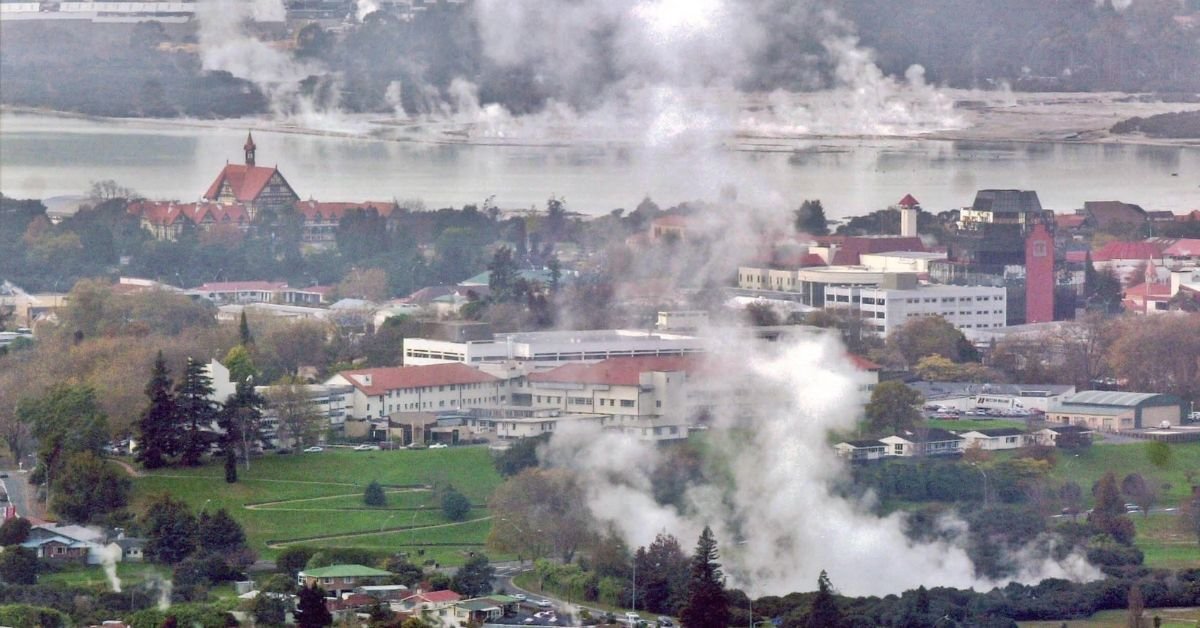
{"x": 249, "y": 148}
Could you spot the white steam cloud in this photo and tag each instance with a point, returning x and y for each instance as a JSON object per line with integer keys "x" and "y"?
{"x": 778, "y": 522}
{"x": 227, "y": 44}
{"x": 363, "y": 8}
{"x": 109, "y": 555}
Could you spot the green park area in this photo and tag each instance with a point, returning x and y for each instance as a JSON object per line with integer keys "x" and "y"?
{"x": 316, "y": 499}
{"x": 1171, "y": 618}
{"x": 1088, "y": 465}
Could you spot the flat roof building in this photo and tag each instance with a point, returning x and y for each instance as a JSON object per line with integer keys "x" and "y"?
{"x": 1110, "y": 411}
{"x": 551, "y": 348}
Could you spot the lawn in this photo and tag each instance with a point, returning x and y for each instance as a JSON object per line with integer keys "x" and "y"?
{"x": 1165, "y": 545}
{"x": 290, "y": 499}
{"x": 1172, "y": 618}
{"x": 75, "y": 575}
{"x": 1090, "y": 464}
{"x": 966, "y": 425}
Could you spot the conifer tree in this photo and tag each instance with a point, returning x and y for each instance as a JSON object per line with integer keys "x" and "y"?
{"x": 156, "y": 428}
{"x": 196, "y": 412}
{"x": 311, "y": 611}
{"x": 824, "y": 611}
{"x": 707, "y": 605}
{"x": 244, "y": 335}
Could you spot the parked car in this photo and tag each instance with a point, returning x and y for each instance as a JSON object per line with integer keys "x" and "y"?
{"x": 520, "y": 597}
{"x": 1131, "y": 508}
{"x": 314, "y": 450}
{"x": 632, "y": 618}
{"x": 544, "y": 604}
{"x": 367, "y": 447}
{"x": 665, "y": 621}
{"x": 438, "y": 446}
{"x": 416, "y": 446}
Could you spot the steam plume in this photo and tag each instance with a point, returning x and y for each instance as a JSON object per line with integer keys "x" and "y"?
{"x": 778, "y": 519}
{"x": 109, "y": 555}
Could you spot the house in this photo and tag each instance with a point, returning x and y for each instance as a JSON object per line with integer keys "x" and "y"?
{"x": 966, "y": 396}
{"x": 256, "y": 187}
{"x": 1109, "y": 411}
{"x": 131, "y": 549}
{"x": 339, "y": 579}
{"x": 926, "y": 442}
{"x": 321, "y": 219}
{"x": 1062, "y": 436}
{"x": 861, "y": 450}
{"x": 478, "y": 610}
{"x": 67, "y": 543}
{"x": 994, "y": 439}
{"x": 433, "y": 604}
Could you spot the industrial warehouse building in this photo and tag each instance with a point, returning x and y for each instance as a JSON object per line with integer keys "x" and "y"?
{"x": 1105, "y": 411}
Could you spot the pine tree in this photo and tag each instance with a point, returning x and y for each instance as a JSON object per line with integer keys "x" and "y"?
{"x": 196, "y": 412}
{"x": 244, "y": 335}
{"x": 310, "y": 610}
{"x": 373, "y": 495}
{"x": 156, "y": 428}
{"x": 824, "y": 612}
{"x": 707, "y": 605}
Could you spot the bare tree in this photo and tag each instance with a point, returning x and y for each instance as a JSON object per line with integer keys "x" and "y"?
{"x": 108, "y": 190}
{"x": 299, "y": 421}
{"x": 539, "y": 512}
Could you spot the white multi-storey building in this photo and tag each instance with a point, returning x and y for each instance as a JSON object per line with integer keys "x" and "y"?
{"x": 883, "y": 310}
{"x": 551, "y": 348}
{"x": 380, "y": 392}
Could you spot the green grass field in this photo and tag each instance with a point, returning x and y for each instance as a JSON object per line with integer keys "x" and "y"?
{"x": 287, "y": 500}
{"x": 966, "y": 425}
{"x": 1092, "y": 463}
{"x": 1171, "y": 618}
{"x": 1165, "y": 545}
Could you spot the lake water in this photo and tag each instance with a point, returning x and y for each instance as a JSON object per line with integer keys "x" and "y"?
{"x": 45, "y": 156}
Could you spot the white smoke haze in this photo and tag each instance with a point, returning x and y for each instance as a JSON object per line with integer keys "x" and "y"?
{"x": 363, "y": 8}
{"x": 778, "y": 522}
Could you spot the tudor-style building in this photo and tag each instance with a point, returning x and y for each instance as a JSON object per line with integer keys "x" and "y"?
{"x": 257, "y": 187}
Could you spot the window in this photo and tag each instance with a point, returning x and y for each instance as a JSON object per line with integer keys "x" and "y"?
{"x": 627, "y": 403}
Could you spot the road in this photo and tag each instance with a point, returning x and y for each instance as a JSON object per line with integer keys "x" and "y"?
{"x": 19, "y": 494}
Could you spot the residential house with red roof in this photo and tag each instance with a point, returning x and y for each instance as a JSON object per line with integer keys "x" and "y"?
{"x": 381, "y": 392}
{"x": 1129, "y": 260}
{"x": 257, "y": 187}
{"x": 432, "y": 605}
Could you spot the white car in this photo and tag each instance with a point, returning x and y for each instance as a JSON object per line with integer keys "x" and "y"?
{"x": 314, "y": 450}
{"x": 366, "y": 447}
{"x": 544, "y": 604}
{"x": 438, "y": 446}
{"x": 520, "y": 597}
{"x": 632, "y": 618}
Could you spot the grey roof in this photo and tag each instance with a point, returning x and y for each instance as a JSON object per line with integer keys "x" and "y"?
{"x": 1078, "y": 408}
{"x": 860, "y": 444}
{"x": 1001, "y": 431}
{"x": 1068, "y": 429}
{"x": 1112, "y": 398}
{"x": 930, "y": 435}
{"x": 946, "y": 390}
{"x": 1006, "y": 201}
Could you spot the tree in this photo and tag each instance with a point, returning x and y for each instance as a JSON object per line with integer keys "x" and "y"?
{"x": 519, "y": 456}
{"x": 810, "y": 218}
{"x": 1158, "y": 353}
{"x": 1137, "y": 604}
{"x": 299, "y": 421}
{"x": 18, "y": 565}
{"x": 157, "y": 429}
{"x": 66, "y": 420}
{"x": 218, "y": 533}
{"x": 14, "y": 531}
{"x": 244, "y": 335}
{"x": 502, "y": 278}
{"x": 15, "y": 434}
{"x": 1108, "y": 515}
{"x": 240, "y": 421}
{"x": 269, "y": 610}
{"x": 474, "y": 578}
{"x": 707, "y": 605}
{"x": 311, "y": 611}
{"x": 929, "y": 335}
{"x": 292, "y": 559}
{"x": 1159, "y": 453}
{"x": 240, "y": 364}
{"x": 893, "y": 407}
{"x": 540, "y": 511}
{"x": 935, "y": 368}
{"x": 455, "y": 505}
{"x": 170, "y": 530}
{"x": 662, "y": 569}
{"x": 824, "y": 611}
{"x": 374, "y": 495}
{"x": 196, "y": 412}
{"x": 89, "y": 488}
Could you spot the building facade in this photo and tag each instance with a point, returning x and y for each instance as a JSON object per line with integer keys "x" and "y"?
{"x": 883, "y": 310}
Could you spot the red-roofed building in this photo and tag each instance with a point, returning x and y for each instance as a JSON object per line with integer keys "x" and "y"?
{"x": 321, "y": 219}
{"x": 908, "y": 201}
{"x": 845, "y": 250}
{"x": 166, "y": 220}
{"x": 381, "y": 392}
{"x": 1148, "y": 297}
{"x": 1129, "y": 260}
{"x": 257, "y": 187}
{"x": 433, "y": 605}
{"x": 1185, "y": 250}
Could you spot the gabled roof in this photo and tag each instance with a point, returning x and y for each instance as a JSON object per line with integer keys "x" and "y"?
{"x": 996, "y": 432}
{"x": 615, "y": 371}
{"x": 851, "y": 247}
{"x": 863, "y": 444}
{"x": 909, "y": 201}
{"x": 1069, "y": 221}
{"x": 862, "y": 363}
{"x": 240, "y": 286}
{"x": 1187, "y": 247}
{"x": 1118, "y": 250}
{"x": 310, "y": 209}
{"x": 247, "y": 182}
{"x": 345, "y": 571}
{"x": 167, "y": 213}
{"x": 1067, "y": 429}
{"x": 436, "y": 597}
{"x": 402, "y": 377}
{"x": 928, "y": 435}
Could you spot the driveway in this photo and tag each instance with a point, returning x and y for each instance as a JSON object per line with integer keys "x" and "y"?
{"x": 20, "y": 494}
